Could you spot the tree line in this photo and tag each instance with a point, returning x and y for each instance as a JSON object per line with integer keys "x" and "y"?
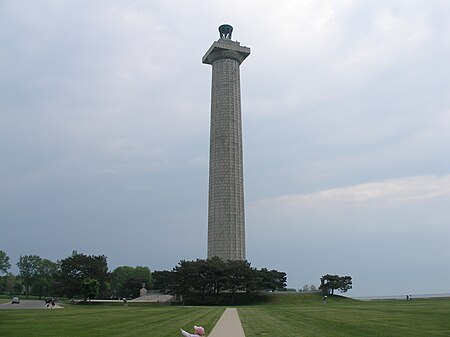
{"x": 87, "y": 276}
{"x": 77, "y": 276}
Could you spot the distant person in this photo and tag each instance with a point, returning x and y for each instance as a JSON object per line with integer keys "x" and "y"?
{"x": 325, "y": 299}
{"x": 198, "y": 332}
{"x": 407, "y": 297}
{"x": 50, "y": 303}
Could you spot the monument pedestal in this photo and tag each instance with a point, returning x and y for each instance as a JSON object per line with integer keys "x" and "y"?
{"x": 143, "y": 291}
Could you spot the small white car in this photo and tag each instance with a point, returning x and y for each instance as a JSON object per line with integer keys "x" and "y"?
{"x": 15, "y": 300}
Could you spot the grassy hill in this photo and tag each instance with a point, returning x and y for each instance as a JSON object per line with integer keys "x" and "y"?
{"x": 293, "y": 298}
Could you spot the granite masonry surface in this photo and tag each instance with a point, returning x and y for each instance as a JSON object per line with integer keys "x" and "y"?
{"x": 226, "y": 218}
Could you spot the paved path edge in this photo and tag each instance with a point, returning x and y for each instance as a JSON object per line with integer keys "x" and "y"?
{"x": 228, "y": 325}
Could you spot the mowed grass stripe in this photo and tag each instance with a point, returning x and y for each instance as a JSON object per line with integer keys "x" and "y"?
{"x": 347, "y": 318}
{"x": 105, "y": 320}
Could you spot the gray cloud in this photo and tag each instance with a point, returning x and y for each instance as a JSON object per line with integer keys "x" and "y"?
{"x": 104, "y": 116}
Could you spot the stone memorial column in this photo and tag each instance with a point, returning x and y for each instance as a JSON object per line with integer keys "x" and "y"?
{"x": 226, "y": 220}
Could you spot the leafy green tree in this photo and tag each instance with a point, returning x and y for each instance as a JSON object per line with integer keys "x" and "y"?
{"x": 185, "y": 279}
{"x": 3, "y": 284}
{"x": 271, "y": 280}
{"x": 90, "y": 288}
{"x": 29, "y": 271}
{"x": 78, "y": 267}
{"x": 46, "y": 278}
{"x": 119, "y": 277}
{"x": 162, "y": 280}
{"x": 345, "y": 284}
{"x": 253, "y": 281}
{"x": 213, "y": 276}
{"x": 237, "y": 272}
{"x": 10, "y": 283}
{"x": 128, "y": 280}
{"x": 330, "y": 283}
{"x": 4, "y": 263}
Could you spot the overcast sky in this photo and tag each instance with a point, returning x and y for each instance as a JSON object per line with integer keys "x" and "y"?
{"x": 104, "y": 135}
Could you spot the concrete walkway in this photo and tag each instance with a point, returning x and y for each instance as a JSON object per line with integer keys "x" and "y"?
{"x": 228, "y": 325}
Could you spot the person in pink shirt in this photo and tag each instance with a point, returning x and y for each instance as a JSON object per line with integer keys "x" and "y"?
{"x": 198, "y": 332}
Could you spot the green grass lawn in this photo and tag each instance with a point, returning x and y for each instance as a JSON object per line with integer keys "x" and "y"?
{"x": 106, "y": 320}
{"x": 282, "y": 315}
{"x": 307, "y": 316}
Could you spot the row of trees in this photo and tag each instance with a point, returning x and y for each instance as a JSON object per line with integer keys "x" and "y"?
{"x": 78, "y": 275}
{"x": 218, "y": 279}
{"x": 81, "y": 275}
{"x": 87, "y": 275}
{"x": 311, "y": 287}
